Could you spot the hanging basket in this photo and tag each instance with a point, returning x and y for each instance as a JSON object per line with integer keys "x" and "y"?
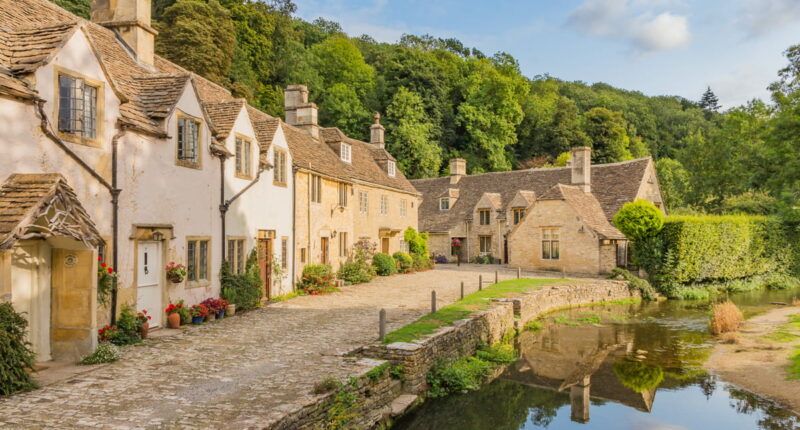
{"x": 175, "y": 278}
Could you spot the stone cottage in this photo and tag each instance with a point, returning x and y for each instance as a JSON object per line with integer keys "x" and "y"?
{"x": 541, "y": 219}
{"x": 346, "y": 190}
{"x": 113, "y": 152}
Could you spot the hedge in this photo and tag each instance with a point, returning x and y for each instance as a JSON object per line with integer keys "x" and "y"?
{"x": 384, "y": 264}
{"x": 16, "y": 356}
{"x": 715, "y": 249}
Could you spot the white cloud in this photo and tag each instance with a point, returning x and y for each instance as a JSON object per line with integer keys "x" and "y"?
{"x": 633, "y": 22}
{"x": 759, "y": 17}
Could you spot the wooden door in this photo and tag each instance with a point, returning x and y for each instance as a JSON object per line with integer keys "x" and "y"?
{"x": 385, "y": 245}
{"x": 324, "y": 244}
{"x": 74, "y": 308}
{"x": 148, "y": 281}
{"x": 265, "y": 264}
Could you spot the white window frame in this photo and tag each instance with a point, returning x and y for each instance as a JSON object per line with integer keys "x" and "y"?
{"x": 444, "y": 204}
{"x": 346, "y": 152}
{"x": 403, "y": 210}
{"x": 384, "y": 204}
{"x": 391, "y": 169}
{"x": 363, "y": 202}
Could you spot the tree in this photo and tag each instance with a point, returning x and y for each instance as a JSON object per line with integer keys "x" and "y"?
{"x": 206, "y": 28}
{"x": 607, "y": 131}
{"x": 639, "y": 219}
{"x": 410, "y": 136}
{"x": 674, "y": 182}
{"x": 82, "y": 8}
{"x": 709, "y": 102}
{"x": 342, "y": 108}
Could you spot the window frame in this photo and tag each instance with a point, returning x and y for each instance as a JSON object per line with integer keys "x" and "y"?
{"x": 391, "y": 169}
{"x": 99, "y": 87}
{"x": 517, "y": 214}
{"x": 237, "y": 256}
{"x": 346, "y": 152}
{"x": 384, "y": 204}
{"x": 280, "y": 176}
{"x": 315, "y": 188}
{"x": 403, "y": 208}
{"x": 198, "y": 281}
{"x": 548, "y": 240}
{"x": 285, "y": 252}
{"x": 488, "y": 213}
{"x": 444, "y": 201}
{"x": 342, "y": 192}
{"x": 485, "y": 239}
{"x": 363, "y": 202}
{"x": 343, "y": 244}
{"x": 184, "y": 162}
{"x": 244, "y": 167}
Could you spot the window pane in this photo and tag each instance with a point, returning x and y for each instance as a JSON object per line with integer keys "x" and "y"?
{"x": 240, "y": 255}
{"x": 90, "y": 112}
{"x": 545, "y": 250}
{"x": 285, "y": 253}
{"x": 238, "y": 155}
{"x": 64, "y": 103}
{"x": 232, "y": 256}
{"x": 554, "y": 252}
{"x": 191, "y": 265}
{"x": 203, "y": 263}
{"x": 555, "y": 234}
{"x": 545, "y": 234}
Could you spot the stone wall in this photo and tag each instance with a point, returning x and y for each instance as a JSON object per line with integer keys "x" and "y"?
{"x": 530, "y": 306}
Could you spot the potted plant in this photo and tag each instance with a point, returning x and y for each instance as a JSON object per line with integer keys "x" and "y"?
{"x": 105, "y": 280}
{"x": 213, "y": 306}
{"x": 144, "y": 323}
{"x": 176, "y": 273}
{"x": 174, "y": 315}
{"x": 223, "y": 306}
{"x": 199, "y": 312}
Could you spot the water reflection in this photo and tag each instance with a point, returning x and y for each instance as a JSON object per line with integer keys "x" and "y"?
{"x": 609, "y": 367}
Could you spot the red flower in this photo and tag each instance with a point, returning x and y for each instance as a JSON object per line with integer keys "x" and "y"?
{"x": 99, "y": 258}
{"x": 103, "y": 265}
{"x": 110, "y": 270}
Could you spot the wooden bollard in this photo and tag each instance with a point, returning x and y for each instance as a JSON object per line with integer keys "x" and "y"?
{"x": 382, "y": 324}
{"x": 433, "y": 301}
{"x": 462, "y": 289}
{"x": 496, "y": 276}
{"x": 480, "y": 282}
{"x": 519, "y": 272}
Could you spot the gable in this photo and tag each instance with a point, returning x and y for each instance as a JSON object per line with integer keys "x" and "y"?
{"x": 522, "y": 199}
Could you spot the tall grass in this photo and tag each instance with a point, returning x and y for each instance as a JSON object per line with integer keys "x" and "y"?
{"x": 725, "y": 317}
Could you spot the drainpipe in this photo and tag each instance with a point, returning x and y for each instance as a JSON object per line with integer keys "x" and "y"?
{"x": 226, "y": 204}
{"x": 223, "y": 208}
{"x": 294, "y": 227}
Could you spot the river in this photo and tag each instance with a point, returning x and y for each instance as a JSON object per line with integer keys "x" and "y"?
{"x": 636, "y": 366}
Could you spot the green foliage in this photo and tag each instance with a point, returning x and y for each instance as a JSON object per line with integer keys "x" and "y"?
{"x": 355, "y": 272}
{"x": 794, "y": 366}
{"x": 422, "y": 263}
{"x": 469, "y": 373}
{"x": 127, "y": 328}
{"x": 674, "y": 182}
{"x": 639, "y": 219}
{"x": 106, "y": 352}
{"x": 417, "y": 242}
{"x": 378, "y": 371}
{"x": 410, "y": 135}
{"x": 638, "y": 376}
{"x": 384, "y": 264}
{"x": 245, "y": 290}
{"x": 317, "y": 279}
{"x": 534, "y": 325}
{"x": 405, "y": 263}
{"x": 82, "y": 8}
{"x": 635, "y": 283}
{"x": 16, "y": 356}
{"x": 607, "y": 132}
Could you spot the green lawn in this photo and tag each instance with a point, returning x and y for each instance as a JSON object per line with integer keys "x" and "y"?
{"x": 461, "y": 309}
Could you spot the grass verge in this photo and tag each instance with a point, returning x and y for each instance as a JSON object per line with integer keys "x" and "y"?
{"x": 461, "y": 309}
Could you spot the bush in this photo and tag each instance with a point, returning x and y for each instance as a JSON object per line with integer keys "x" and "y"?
{"x": 106, "y": 352}
{"x": 417, "y": 242}
{"x": 356, "y": 272}
{"x": 245, "y": 290}
{"x": 405, "y": 263}
{"x": 384, "y": 264}
{"x": 725, "y": 317}
{"x": 422, "y": 262}
{"x": 483, "y": 259}
{"x": 317, "y": 279}
{"x": 126, "y": 331}
{"x": 16, "y": 356}
{"x": 639, "y": 219}
{"x": 459, "y": 376}
{"x": 635, "y": 283}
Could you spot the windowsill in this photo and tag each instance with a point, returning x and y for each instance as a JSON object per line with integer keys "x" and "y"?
{"x": 198, "y": 284}
{"x": 243, "y": 176}
{"x": 189, "y": 164}
{"x": 80, "y": 140}
{"x": 280, "y": 184}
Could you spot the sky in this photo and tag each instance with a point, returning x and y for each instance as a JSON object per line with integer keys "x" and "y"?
{"x": 658, "y": 47}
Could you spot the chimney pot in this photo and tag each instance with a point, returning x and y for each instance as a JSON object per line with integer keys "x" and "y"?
{"x": 376, "y": 132}
{"x": 299, "y": 112}
{"x": 581, "y": 168}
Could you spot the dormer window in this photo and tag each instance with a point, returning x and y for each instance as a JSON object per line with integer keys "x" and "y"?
{"x": 78, "y": 108}
{"x": 444, "y": 204}
{"x": 346, "y": 152}
{"x": 391, "y": 168}
{"x": 188, "y": 141}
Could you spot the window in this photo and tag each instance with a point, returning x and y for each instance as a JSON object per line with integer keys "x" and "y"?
{"x": 518, "y": 214}
{"x": 342, "y": 194}
{"x": 485, "y": 216}
{"x": 188, "y": 141}
{"x": 384, "y": 205}
{"x": 391, "y": 168}
{"x": 342, "y": 244}
{"x": 316, "y": 189}
{"x": 236, "y": 255}
{"x": 444, "y": 204}
{"x": 550, "y": 249}
{"x": 302, "y": 255}
{"x": 403, "y": 209}
{"x": 244, "y": 165}
{"x": 346, "y": 152}
{"x": 279, "y": 162}
{"x": 622, "y": 254}
{"x": 363, "y": 202}
{"x": 285, "y": 252}
{"x": 77, "y": 107}
{"x": 485, "y": 244}
{"x": 197, "y": 259}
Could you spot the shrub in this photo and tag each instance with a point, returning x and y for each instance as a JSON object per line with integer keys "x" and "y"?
{"x": 106, "y": 352}
{"x": 422, "y": 263}
{"x": 462, "y": 375}
{"x": 417, "y": 242}
{"x": 483, "y": 259}
{"x": 639, "y": 219}
{"x": 17, "y": 358}
{"x": 405, "y": 263}
{"x": 635, "y": 283}
{"x": 126, "y": 331}
{"x": 245, "y": 290}
{"x": 384, "y": 264}
{"x": 638, "y": 376}
{"x": 725, "y": 317}
{"x": 441, "y": 259}
{"x": 317, "y": 279}
{"x": 356, "y": 272}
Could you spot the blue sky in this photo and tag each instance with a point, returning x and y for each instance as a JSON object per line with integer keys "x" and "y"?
{"x": 654, "y": 46}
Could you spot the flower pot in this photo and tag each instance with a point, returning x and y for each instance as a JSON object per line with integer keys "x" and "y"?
{"x": 174, "y": 320}
{"x": 231, "y": 310}
{"x": 175, "y": 279}
{"x": 221, "y": 314}
{"x": 197, "y": 320}
{"x": 144, "y": 330}
{"x": 211, "y": 316}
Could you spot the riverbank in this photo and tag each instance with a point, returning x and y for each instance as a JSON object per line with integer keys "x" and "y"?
{"x": 759, "y": 356}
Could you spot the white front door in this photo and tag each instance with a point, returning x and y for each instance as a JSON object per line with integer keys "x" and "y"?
{"x": 30, "y": 292}
{"x": 149, "y": 277}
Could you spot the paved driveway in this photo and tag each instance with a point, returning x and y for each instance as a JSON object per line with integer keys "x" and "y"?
{"x": 245, "y": 371}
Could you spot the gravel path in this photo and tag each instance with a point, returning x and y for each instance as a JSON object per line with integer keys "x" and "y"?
{"x": 242, "y": 372}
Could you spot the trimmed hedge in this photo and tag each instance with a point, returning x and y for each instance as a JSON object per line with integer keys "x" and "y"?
{"x": 384, "y": 264}
{"x": 405, "y": 264}
{"x": 693, "y": 250}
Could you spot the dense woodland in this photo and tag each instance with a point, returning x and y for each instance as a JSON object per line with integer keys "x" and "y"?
{"x": 441, "y": 99}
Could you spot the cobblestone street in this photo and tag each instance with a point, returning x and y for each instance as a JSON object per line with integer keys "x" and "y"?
{"x": 242, "y": 372}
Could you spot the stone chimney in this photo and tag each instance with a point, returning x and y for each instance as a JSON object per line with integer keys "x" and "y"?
{"x": 130, "y": 19}
{"x": 581, "y": 165}
{"x": 458, "y": 167}
{"x": 376, "y": 132}
{"x": 299, "y": 112}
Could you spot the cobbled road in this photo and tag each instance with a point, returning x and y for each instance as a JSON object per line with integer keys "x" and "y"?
{"x": 242, "y": 372}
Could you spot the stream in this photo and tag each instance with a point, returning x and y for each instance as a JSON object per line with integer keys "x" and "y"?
{"x": 637, "y": 366}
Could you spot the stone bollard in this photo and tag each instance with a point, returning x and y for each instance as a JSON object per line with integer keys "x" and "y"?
{"x": 433, "y": 301}
{"x": 382, "y": 324}
{"x": 496, "y": 276}
{"x": 519, "y": 272}
{"x": 480, "y": 282}
{"x": 462, "y": 289}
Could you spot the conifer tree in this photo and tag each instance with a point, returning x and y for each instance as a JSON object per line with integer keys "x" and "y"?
{"x": 709, "y": 102}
